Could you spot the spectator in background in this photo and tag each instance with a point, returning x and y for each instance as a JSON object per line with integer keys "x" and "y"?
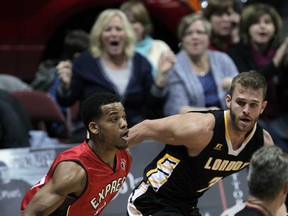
{"x": 260, "y": 49}
{"x": 11, "y": 192}
{"x": 200, "y": 77}
{"x": 14, "y": 122}
{"x": 224, "y": 18}
{"x": 47, "y": 79}
{"x": 267, "y": 183}
{"x": 75, "y": 42}
{"x": 155, "y": 50}
{"x": 12, "y": 83}
{"x": 112, "y": 65}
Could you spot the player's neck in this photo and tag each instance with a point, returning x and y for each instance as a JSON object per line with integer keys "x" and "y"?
{"x": 107, "y": 156}
{"x": 266, "y": 207}
{"x": 237, "y": 136}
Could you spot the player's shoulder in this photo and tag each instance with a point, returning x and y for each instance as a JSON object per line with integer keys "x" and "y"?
{"x": 267, "y": 138}
{"x": 69, "y": 174}
{"x": 203, "y": 121}
{"x": 205, "y": 116}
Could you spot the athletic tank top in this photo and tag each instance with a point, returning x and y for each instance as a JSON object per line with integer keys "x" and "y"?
{"x": 180, "y": 178}
{"x": 103, "y": 183}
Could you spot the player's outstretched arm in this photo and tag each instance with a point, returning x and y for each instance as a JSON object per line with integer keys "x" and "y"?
{"x": 69, "y": 177}
{"x": 187, "y": 129}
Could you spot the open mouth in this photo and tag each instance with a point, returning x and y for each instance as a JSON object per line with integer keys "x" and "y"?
{"x": 262, "y": 34}
{"x": 245, "y": 120}
{"x": 114, "y": 43}
{"x": 125, "y": 136}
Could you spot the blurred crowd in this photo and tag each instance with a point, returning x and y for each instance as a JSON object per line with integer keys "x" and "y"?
{"x": 120, "y": 55}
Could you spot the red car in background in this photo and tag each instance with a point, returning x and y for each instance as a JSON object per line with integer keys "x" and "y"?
{"x": 33, "y": 30}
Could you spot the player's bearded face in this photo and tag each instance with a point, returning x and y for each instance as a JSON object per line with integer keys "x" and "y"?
{"x": 246, "y": 104}
{"x": 241, "y": 122}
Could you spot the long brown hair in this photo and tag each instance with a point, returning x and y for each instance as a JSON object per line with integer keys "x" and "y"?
{"x": 251, "y": 15}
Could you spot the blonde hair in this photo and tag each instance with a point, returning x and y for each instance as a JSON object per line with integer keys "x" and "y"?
{"x": 96, "y": 46}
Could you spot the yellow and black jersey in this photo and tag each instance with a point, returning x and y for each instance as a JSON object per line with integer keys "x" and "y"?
{"x": 178, "y": 179}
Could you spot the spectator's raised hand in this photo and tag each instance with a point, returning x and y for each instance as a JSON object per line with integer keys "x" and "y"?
{"x": 281, "y": 54}
{"x": 166, "y": 62}
{"x": 64, "y": 70}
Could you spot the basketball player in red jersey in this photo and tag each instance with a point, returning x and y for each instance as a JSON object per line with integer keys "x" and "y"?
{"x": 84, "y": 179}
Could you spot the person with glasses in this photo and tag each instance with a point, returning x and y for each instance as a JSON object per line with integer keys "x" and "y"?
{"x": 200, "y": 78}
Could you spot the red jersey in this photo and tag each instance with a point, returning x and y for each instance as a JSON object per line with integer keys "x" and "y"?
{"x": 103, "y": 183}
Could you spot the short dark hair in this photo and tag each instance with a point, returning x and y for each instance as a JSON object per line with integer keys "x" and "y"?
{"x": 91, "y": 107}
{"x": 220, "y": 7}
{"x": 74, "y": 42}
{"x": 249, "y": 79}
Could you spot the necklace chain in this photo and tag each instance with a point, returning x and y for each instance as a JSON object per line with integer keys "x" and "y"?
{"x": 202, "y": 73}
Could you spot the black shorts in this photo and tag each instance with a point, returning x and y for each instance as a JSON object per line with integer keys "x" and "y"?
{"x": 143, "y": 201}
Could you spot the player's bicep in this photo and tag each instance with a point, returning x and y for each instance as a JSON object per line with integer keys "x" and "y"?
{"x": 45, "y": 201}
{"x": 194, "y": 129}
{"x": 68, "y": 178}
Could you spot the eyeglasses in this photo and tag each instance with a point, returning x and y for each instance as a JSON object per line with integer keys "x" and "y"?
{"x": 197, "y": 32}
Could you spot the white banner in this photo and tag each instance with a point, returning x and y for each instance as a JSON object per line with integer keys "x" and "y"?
{"x": 26, "y": 166}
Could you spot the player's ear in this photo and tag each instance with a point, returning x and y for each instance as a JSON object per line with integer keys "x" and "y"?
{"x": 264, "y": 104}
{"x": 228, "y": 100}
{"x": 93, "y": 127}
